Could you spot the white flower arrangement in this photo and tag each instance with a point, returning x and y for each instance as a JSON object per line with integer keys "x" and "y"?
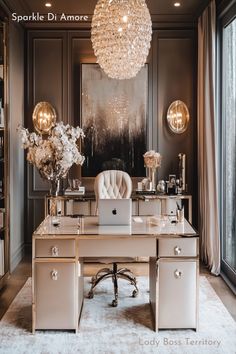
{"x": 54, "y": 155}
{"x": 152, "y": 159}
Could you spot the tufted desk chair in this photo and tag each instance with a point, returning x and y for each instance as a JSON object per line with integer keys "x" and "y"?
{"x": 113, "y": 184}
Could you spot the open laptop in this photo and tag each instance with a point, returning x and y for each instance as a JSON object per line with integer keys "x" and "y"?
{"x": 114, "y": 211}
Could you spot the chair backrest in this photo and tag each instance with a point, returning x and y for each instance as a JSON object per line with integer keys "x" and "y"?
{"x": 112, "y": 184}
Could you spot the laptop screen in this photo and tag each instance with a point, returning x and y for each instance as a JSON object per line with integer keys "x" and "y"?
{"x": 114, "y": 211}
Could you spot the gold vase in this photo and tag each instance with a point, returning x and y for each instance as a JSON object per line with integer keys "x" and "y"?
{"x": 151, "y": 175}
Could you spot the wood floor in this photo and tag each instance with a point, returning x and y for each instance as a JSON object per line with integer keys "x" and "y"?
{"x": 23, "y": 272}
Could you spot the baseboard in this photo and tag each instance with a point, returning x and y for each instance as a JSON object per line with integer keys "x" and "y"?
{"x": 17, "y": 256}
{"x": 228, "y": 282}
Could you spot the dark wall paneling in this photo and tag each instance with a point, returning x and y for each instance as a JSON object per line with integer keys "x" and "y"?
{"x": 176, "y": 80}
{"x": 53, "y": 74}
{"x": 80, "y": 51}
{"x": 47, "y": 71}
{"x": 35, "y": 214}
{"x": 46, "y": 81}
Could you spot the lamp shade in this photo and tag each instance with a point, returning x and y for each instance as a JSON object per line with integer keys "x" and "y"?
{"x": 44, "y": 117}
{"x": 178, "y": 117}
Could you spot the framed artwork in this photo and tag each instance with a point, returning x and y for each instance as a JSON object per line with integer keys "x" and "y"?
{"x": 114, "y": 120}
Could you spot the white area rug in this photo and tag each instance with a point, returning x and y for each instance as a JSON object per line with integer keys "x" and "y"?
{"x": 125, "y": 329}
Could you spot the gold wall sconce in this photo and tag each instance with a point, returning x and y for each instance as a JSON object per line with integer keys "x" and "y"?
{"x": 178, "y": 117}
{"x": 44, "y": 117}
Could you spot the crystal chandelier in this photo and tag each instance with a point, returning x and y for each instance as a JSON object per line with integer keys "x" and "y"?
{"x": 121, "y": 36}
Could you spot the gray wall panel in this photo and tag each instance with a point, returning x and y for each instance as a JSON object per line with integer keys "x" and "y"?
{"x": 172, "y": 75}
{"x": 16, "y": 166}
{"x": 176, "y": 80}
{"x": 47, "y": 81}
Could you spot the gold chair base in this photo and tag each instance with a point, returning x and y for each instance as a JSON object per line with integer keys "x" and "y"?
{"x": 115, "y": 274}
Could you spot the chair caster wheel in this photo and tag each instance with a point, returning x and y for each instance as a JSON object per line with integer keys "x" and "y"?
{"x": 90, "y": 295}
{"x": 135, "y": 293}
{"x": 114, "y": 303}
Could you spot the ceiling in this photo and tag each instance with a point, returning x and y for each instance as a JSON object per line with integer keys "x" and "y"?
{"x": 86, "y": 7}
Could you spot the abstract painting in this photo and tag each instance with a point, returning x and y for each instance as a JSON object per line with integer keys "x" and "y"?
{"x": 114, "y": 120}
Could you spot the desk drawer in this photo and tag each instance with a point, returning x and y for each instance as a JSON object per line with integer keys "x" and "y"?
{"x": 178, "y": 247}
{"x": 55, "y": 295}
{"x": 55, "y": 248}
{"x": 117, "y": 247}
{"x": 177, "y": 294}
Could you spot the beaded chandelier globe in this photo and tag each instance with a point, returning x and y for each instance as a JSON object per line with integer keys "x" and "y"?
{"x": 121, "y": 36}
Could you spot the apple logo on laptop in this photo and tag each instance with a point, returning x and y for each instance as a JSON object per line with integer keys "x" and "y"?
{"x": 114, "y": 212}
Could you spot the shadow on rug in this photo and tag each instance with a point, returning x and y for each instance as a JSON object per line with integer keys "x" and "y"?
{"x": 125, "y": 329}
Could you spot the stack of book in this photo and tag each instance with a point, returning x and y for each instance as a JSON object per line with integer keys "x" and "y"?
{"x": 79, "y": 191}
{"x": 145, "y": 192}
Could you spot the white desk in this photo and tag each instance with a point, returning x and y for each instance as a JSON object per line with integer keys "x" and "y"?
{"x": 58, "y": 254}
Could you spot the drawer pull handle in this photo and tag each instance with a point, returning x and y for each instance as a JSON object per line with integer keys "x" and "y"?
{"x": 178, "y": 274}
{"x": 54, "y": 274}
{"x": 177, "y": 250}
{"x": 55, "y": 251}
